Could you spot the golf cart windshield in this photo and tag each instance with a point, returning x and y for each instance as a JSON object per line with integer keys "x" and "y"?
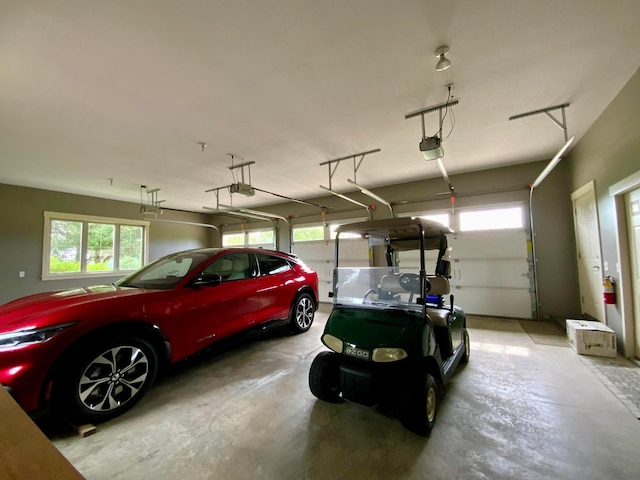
{"x": 403, "y": 254}
{"x": 378, "y": 287}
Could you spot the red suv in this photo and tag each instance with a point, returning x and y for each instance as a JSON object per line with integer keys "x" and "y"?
{"x": 92, "y": 353}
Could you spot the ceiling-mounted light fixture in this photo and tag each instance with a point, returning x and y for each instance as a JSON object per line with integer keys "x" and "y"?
{"x": 443, "y": 62}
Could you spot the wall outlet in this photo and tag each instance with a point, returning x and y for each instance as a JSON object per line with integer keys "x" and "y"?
{"x": 21, "y": 274}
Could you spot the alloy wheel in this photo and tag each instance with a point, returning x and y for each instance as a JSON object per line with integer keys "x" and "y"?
{"x": 304, "y": 312}
{"x": 113, "y": 378}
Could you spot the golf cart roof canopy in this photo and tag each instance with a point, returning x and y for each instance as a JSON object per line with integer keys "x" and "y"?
{"x": 403, "y": 233}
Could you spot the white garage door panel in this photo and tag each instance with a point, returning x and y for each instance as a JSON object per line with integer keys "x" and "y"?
{"x": 494, "y": 302}
{"x": 495, "y": 273}
{"x": 490, "y": 244}
{"x": 489, "y": 272}
{"x": 412, "y": 260}
{"x": 320, "y": 257}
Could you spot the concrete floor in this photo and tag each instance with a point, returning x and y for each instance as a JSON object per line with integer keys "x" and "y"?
{"x": 519, "y": 410}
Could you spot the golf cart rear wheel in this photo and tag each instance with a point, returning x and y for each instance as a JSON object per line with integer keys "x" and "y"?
{"x": 467, "y": 347}
{"x": 324, "y": 377}
{"x": 419, "y": 406}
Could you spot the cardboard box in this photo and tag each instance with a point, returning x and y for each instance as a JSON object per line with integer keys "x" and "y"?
{"x": 591, "y": 338}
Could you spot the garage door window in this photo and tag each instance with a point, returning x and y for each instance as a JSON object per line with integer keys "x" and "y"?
{"x": 233, "y": 240}
{"x": 261, "y": 237}
{"x": 76, "y": 246}
{"x": 251, "y": 238}
{"x": 308, "y": 234}
{"x": 492, "y": 219}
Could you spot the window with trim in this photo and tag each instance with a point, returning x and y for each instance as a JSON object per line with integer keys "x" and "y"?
{"x": 78, "y": 245}
{"x": 492, "y": 219}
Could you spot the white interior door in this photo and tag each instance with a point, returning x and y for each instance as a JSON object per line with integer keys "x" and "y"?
{"x": 633, "y": 212}
{"x": 585, "y": 219}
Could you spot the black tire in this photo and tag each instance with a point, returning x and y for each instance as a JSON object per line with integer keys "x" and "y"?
{"x": 302, "y": 312}
{"x": 105, "y": 379}
{"x": 467, "y": 347}
{"x": 419, "y": 405}
{"x": 324, "y": 377}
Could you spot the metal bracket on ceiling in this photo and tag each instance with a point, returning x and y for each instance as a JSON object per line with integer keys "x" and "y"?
{"x": 356, "y": 163}
{"x": 562, "y": 125}
{"x": 333, "y": 165}
{"x": 152, "y": 207}
{"x": 434, "y": 108}
{"x": 241, "y": 167}
{"x": 216, "y": 191}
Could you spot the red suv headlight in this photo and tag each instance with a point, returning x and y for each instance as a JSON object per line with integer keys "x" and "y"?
{"x": 29, "y": 336}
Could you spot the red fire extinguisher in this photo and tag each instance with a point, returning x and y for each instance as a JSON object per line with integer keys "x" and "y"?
{"x": 609, "y": 284}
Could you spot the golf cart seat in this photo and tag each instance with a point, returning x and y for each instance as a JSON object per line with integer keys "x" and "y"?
{"x": 439, "y": 286}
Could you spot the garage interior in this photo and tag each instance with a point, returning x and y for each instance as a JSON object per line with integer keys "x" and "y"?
{"x": 149, "y": 112}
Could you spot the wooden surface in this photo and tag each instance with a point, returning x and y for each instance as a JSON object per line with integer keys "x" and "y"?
{"x": 25, "y": 452}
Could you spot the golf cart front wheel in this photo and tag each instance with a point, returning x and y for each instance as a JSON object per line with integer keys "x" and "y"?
{"x": 324, "y": 377}
{"x": 419, "y": 406}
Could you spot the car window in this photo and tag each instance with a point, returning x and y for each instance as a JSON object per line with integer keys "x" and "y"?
{"x": 270, "y": 264}
{"x": 164, "y": 273}
{"x": 173, "y": 268}
{"x": 235, "y": 266}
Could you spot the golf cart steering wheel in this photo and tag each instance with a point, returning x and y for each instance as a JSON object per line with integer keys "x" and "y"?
{"x": 411, "y": 282}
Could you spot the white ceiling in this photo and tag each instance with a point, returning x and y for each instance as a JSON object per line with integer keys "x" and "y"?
{"x": 124, "y": 90}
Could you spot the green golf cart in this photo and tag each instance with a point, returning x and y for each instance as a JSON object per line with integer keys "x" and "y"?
{"x": 390, "y": 333}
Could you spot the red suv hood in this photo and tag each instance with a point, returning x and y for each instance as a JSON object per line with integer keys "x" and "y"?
{"x": 47, "y": 306}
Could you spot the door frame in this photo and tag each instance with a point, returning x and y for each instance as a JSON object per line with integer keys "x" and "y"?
{"x": 624, "y": 289}
{"x": 586, "y": 189}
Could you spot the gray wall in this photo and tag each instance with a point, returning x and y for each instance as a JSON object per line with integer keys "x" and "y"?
{"x": 555, "y": 245}
{"x": 21, "y": 237}
{"x": 608, "y": 153}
